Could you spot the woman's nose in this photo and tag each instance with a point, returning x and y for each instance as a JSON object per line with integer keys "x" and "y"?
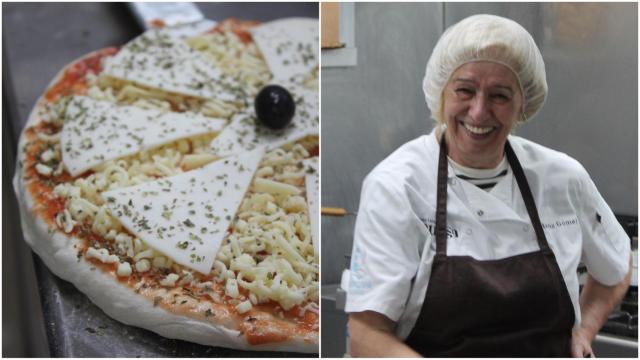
{"x": 479, "y": 108}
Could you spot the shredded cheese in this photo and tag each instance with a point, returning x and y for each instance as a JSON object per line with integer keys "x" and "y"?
{"x": 269, "y": 254}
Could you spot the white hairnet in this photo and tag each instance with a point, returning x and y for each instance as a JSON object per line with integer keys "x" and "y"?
{"x": 487, "y": 38}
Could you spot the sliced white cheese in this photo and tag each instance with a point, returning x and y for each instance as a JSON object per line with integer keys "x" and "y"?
{"x": 186, "y": 30}
{"x": 313, "y": 185}
{"x": 98, "y": 131}
{"x": 243, "y": 134}
{"x": 290, "y": 46}
{"x": 186, "y": 216}
{"x": 163, "y": 61}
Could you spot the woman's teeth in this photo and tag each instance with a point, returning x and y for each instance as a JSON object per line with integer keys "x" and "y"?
{"x": 478, "y": 130}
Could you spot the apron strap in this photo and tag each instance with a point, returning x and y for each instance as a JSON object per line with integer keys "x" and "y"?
{"x": 441, "y": 200}
{"x": 441, "y": 205}
{"x": 523, "y": 184}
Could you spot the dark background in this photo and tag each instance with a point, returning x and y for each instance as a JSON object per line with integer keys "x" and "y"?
{"x": 42, "y": 315}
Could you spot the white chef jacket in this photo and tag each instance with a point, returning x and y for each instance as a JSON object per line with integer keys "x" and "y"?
{"x": 394, "y": 242}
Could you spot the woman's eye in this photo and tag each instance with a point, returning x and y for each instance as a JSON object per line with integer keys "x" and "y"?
{"x": 465, "y": 92}
{"x": 500, "y": 97}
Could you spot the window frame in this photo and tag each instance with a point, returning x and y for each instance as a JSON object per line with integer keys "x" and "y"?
{"x": 348, "y": 54}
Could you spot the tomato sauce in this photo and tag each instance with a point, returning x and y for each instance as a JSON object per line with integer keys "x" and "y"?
{"x": 239, "y": 27}
{"x": 315, "y": 151}
{"x": 106, "y": 268}
{"x": 73, "y": 80}
{"x": 262, "y": 332}
{"x": 157, "y": 23}
{"x": 48, "y": 205}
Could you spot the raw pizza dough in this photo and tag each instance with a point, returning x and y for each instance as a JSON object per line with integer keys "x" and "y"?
{"x": 210, "y": 310}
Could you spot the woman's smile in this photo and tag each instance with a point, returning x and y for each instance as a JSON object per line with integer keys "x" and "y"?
{"x": 482, "y": 101}
{"x": 478, "y": 132}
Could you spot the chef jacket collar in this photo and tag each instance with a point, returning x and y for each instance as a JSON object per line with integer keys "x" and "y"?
{"x": 435, "y": 145}
{"x": 505, "y": 191}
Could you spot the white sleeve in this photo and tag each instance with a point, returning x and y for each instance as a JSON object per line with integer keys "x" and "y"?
{"x": 386, "y": 254}
{"x": 605, "y": 247}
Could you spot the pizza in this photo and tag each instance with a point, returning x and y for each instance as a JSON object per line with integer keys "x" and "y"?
{"x": 147, "y": 180}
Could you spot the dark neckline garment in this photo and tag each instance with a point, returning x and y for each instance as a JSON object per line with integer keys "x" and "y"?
{"x": 517, "y": 306}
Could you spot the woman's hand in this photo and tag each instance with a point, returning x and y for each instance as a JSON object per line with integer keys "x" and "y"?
{"x": 580, "y": 344}
{"x": 597, "y": 301}
{"x": 371, "y": 335}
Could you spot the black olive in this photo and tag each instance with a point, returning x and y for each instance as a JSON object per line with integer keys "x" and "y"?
{"x": 275, "y": 106}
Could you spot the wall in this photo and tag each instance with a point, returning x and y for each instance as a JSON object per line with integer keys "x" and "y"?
{"x": 369, "y": 110}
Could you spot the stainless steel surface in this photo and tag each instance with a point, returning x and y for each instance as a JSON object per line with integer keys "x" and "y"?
{"x": 170, "y": 13}
{"x": 38, "y": 40}
{"x": 334, "y": 323}
{"x": 609, "y": 346}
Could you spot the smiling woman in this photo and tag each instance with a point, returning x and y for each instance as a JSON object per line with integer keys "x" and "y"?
{"x": 451, "y": 257}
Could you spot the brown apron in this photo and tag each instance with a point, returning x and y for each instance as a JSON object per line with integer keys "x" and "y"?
{"x": 512, "y": 307}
